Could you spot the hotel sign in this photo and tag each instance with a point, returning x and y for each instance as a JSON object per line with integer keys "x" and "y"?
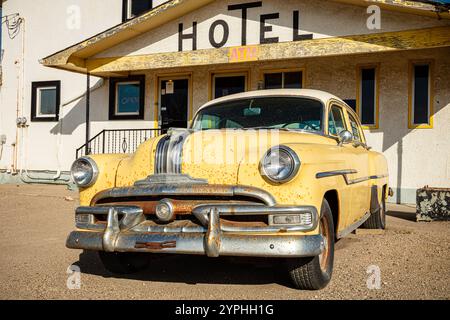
{"x": 225, "y": 28}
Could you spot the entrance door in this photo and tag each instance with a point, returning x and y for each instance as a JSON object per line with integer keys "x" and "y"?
{"x": 173, "y": 103}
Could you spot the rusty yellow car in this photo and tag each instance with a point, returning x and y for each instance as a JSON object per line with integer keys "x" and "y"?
{"x": 279, "y": 174}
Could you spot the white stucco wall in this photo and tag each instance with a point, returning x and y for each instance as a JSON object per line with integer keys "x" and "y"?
{"x": 321, "y": 18}
{"x": 47, "y": 30}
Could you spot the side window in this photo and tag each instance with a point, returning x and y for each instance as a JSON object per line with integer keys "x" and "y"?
{"x": 336, "y": 123}
{"x": 355, "y": 128}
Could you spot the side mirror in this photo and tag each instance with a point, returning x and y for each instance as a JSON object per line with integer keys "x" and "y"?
{"x": 345, "y": 137}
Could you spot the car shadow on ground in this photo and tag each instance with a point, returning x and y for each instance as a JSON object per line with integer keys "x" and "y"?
{"x": 197, "y": 270}
{"x": 409, "y": 216}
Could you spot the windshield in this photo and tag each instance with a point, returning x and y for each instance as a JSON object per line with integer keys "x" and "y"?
{"x": 294, "y": 113}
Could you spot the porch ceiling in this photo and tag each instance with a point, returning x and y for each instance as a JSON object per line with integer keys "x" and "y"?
{"x": 77, "y": 58}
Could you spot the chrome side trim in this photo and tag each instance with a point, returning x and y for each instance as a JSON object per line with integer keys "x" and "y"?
{"x": 335, "y": 173}
{"x": 345, "y": 173}
{"x": 353, "y": 226}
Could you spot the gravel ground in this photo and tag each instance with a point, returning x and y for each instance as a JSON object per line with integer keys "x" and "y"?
{"x": 414, "y": 259}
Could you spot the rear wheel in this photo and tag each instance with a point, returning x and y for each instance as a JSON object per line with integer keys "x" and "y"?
{"x": 314, "y": 273}
{"x": 377, "y": 220}
{"x": 124, "y": 262}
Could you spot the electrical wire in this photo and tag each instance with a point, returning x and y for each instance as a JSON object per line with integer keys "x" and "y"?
{"x": 13, "y": 23}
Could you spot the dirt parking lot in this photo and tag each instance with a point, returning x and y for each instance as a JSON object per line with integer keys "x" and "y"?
{"x": 414, "y": 260}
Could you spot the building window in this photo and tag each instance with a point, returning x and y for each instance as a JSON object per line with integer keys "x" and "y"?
{"x": 367, "y": 96}
{"x": 134, "y": 8}
{"x": 420, "y": 96}
{"x": 45, "y": 100}
{"x": 126, "y": 98}
{"x": 283, "y": 80}
{"x": 226, "y": 84}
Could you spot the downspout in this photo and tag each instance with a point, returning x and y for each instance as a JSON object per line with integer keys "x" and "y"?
{"x": 19, "y": 106}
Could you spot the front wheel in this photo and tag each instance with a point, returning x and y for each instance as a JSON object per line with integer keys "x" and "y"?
{"x": 124, "y": 262}
{"x": 314, "y": 273}
{"x": 377, "y": 220}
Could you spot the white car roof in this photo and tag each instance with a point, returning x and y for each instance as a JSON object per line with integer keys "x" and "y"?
{"x": 307, "y": 93}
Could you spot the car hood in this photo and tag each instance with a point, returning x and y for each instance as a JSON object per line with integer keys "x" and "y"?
{"x": 218, "y": 155}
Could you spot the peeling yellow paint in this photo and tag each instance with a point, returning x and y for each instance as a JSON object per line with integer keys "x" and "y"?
{"x": 380, "y": 42}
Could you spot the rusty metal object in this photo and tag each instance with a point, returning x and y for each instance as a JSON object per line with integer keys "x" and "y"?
{"x": 212, "y": 239}
{"x": 156, "y": 245}
{"x": 433, "y": 204}
{"x": 112, "y": 231}
{"x": 181, "y": 207}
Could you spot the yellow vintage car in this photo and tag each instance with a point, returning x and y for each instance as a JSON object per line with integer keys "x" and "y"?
{"x": 271, "y": 173}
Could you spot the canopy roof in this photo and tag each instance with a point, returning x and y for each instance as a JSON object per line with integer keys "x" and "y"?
{"x": 77, "y": 57}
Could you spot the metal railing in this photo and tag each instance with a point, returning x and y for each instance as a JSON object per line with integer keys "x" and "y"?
{"x": 117, "y": 141}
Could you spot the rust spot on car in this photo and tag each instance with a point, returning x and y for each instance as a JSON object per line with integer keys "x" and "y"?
{"x": 156, "y": 245}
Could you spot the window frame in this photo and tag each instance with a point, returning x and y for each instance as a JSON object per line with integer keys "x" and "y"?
{"x": 113, "y": 85}
{"x": 126, "y": 10}
{"x": 359, "y": 127}
{"x": 411, "y": 82}
{"x": 359, "y": 69}
{"x": 35, "y": 86}
{"x": 332, "y": 104}
{"x": 226, "y": 74}
{"x": 283, "y": 71}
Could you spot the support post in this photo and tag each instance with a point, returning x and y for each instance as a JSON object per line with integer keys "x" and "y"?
{"x": 88, "y": 107}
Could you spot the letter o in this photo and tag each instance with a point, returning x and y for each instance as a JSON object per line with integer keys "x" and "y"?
{"x": 226, "y": 33}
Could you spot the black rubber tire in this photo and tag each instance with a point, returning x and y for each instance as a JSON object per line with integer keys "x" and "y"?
{"x": 306, "y": 273}
{"x": 124, "y": 262}
{"x": 377, "y": 220}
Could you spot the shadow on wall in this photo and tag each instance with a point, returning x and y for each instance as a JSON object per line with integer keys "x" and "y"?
{"x": 397, "y": 137}
{"x": 71, "y": 120}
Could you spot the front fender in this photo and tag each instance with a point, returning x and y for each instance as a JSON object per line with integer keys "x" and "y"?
{"x": 107, "y": 166}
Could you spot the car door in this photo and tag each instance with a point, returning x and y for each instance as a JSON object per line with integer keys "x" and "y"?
{"x": 336, "y": 124}
{"x": 360, "y": 181}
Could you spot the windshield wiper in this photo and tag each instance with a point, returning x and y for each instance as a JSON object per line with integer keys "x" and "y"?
{"x": 268, "y": 128}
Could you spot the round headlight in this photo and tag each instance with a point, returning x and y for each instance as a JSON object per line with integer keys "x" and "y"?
{"x": 280, "y": 164}
{"x": 84, "y": 172}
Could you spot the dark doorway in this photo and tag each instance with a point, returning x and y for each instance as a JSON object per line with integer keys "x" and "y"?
{"x": 225, "y": 85}
{"x": 174, "y": 103}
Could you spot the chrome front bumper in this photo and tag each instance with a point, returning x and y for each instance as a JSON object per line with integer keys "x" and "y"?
{"x": 129, "y": 234}
{"x": 128, "y": 230}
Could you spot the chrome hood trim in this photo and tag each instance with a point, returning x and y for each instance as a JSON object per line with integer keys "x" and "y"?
{"x": 169, "y": 151}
